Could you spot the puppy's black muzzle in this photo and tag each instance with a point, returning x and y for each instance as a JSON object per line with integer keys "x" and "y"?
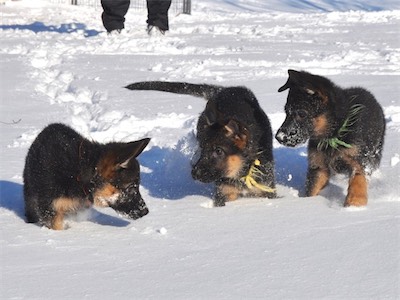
{"x": 132, "y": 205}
{"x": 282, "y": 137}
{"x": 202, "y": 174}
{"x": 132, "y": 210}
{"x": 290, "y": 137}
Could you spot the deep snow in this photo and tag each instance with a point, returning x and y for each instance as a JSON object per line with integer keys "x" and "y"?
{"x": 58, "y": 65}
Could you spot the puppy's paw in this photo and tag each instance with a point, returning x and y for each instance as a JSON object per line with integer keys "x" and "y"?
{"x": 354, "y": 200}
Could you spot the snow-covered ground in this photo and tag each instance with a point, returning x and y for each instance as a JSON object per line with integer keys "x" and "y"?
{"x": 58, "y": 65}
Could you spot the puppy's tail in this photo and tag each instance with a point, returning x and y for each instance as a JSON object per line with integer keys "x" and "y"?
{"x": 198, "y": 90}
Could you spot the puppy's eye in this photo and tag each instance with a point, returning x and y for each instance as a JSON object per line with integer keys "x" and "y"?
{"x": 218, "y": 152}
{"x": 301, "y": 114}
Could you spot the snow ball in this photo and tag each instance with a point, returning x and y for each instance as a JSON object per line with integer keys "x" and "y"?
{"x": 50, "y": 242}
{"x": 289, "y": 178}
{"x": 162, "y": 230}
{"x": 395, "y": 160}
{"x": 304, "y": 153}
{"x": 208, "y": 204}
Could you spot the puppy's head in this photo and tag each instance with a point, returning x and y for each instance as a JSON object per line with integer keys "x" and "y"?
{"x": 222, "y": 145}
{"x": 119, "y": 178}
{"x": 307, "y": 108}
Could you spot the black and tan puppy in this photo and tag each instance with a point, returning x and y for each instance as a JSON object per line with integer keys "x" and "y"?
{"x": 235, "y": 140}
{"x": 345, "y": 128}
{"x": 65, "y": 173}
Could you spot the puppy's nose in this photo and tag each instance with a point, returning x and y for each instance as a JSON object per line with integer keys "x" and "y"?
{"x": 143, "y": 212}
{"x": 281, "y": 137}
{"x": 138, "y": 213}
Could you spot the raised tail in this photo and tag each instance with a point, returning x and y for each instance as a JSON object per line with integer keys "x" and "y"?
{"x": 198, "y": 90}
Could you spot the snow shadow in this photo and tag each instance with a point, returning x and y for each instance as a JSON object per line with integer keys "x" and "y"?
{"x": 291, "y": 167}
{"x": 107, "y": 220}
{"x": 170, "y": 174}
{"x": 166, "y": 172}
{"x": 11, "y": 198}
{"x": 37, "y": 27}
{"x": 291, "y": 171}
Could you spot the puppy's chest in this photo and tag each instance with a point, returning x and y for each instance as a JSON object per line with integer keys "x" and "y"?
{"x": 341, "y": 160}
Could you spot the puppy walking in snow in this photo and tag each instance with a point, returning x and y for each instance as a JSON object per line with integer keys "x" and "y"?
{"x": 65, "y": 173}
{"x": 345, "y": 129}
{"x": 235, "y": 140}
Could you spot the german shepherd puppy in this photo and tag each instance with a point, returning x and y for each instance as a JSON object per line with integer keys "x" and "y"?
{"x": 345, "y": 128}
{"x": 65, "y": 173}
{"x": 235, "y": 140}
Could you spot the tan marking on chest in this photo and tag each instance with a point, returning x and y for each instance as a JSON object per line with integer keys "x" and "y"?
{"x": 320, "y": 124}
{"x": 234, "y": 164}
{"x": 230, "y": 192}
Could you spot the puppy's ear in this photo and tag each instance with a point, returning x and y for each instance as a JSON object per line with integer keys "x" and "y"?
{"x": 131, "y": 150}
{"x": 117, "y": 156}
{"x": 310, "y": 91}
{"x": 237, "y": 132}
{"x": 316, "y": 86}
{"x": 306, "y": 81}
{"x": 232, "y": 128}
{"x": 210, "y": 117}
{"x": 294, "y": 79}
{"x": 211, "y": 114}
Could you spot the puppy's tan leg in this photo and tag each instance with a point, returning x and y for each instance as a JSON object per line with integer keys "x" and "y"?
{"x": 229, "y": 192}
{"x": 224, "y": 193}
{"x": 62, "y": 206}
{"x": 316, "y": 181}
{"x": 357, "y": 192}
{"x": 318, "y": 173}
{"x": 57, "y": 223}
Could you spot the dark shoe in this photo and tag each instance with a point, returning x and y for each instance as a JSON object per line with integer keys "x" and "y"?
{"x": 154, "y": 30}
{"x": 114, "y": 32}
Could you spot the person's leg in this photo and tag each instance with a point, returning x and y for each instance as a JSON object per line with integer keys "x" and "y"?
{"x": 114, "y": 12}
{"x": 158, "y": 13}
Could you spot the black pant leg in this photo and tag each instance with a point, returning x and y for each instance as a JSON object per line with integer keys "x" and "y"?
{"x": 158, "y": 13}
{"x": 114, "y": 12}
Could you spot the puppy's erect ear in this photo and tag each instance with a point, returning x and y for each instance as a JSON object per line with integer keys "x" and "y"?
{"x": 310, "y": 91}
{"x": 131, "y": 150}
{"x": 232, "y": 128}
{"x": 118, "y": 155}
{"x": 210, "y": 117}
{"x": 314, "y": 85}
{"x": 237, "y": 132}
{"x": 212, "y": 114}
{"x": 285, "y": 86}
{"x": 308, "y": 82}
{"x": 294, "y": 79}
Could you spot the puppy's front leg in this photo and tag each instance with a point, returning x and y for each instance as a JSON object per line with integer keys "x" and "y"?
{"x": 225, "y": 192}
{"x": 317, "y": 174}
{"x": 357, "y": 191}
{"x": 219, "y": 200}
{"x": 317, "y": 179}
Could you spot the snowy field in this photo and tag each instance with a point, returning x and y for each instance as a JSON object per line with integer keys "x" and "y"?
{"x": 58, "y": 65}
